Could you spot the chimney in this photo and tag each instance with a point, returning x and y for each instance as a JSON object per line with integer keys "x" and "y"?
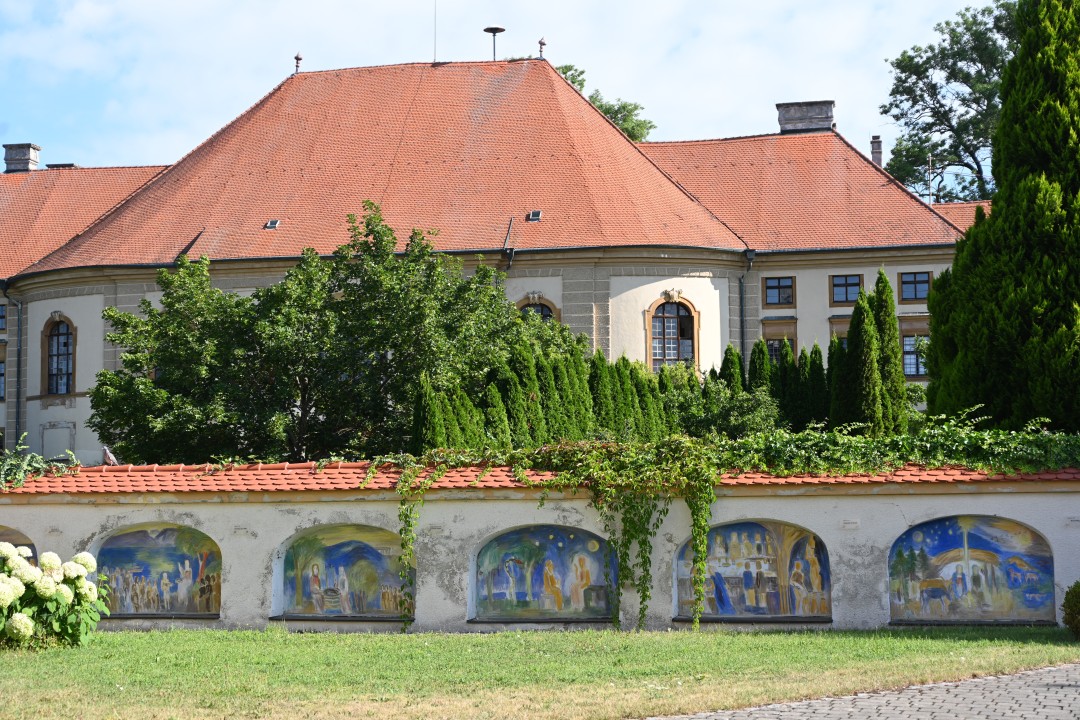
{"x": 21, "y": 157}
{"x": 811, "y": 116}
{"x": 875, "y": 149}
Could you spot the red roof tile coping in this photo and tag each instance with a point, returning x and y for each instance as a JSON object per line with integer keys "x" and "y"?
{"x": 310, "y": 477}
{"x": 801, "y": 191}
{"x": 43, "y": 209}
{"x": 458, "y": 147}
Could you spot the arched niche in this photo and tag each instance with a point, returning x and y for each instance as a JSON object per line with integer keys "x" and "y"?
{"x": 971, "y": 569}
{"x": 344, "y": 571}
{"x": 161, "y": 569}
{"x": 759, "y": 571}
{"x": 18, "y": 539}
{"x": 543, "y": 573}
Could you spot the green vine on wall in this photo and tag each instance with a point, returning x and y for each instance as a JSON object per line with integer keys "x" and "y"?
{"x": 17, "y": 465}
{"x": 632, "y": 485}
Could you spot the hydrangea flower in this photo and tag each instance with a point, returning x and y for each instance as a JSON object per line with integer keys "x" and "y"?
{"x": 19, "y": 627}
{"x": 7, "y": 594}
{"x": 24, "y": 571}
{"x": 86, "y": 560}
{"x": 45, "y": 587}
{"x": 16, "y": 586}
{"x": 65, "y": 594}
{"x": 88, "y": 591}
{"x": 7, "y": 550}
{"x": 48, "y": 561}
{"x": 24, "y": 551}
{"x": 73, "y": 570}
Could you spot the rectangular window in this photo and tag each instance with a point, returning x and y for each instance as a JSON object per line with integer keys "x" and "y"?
{"x": 914, "y": 286}
{"x": 913, "y": 361}
{"x": 845, "y": 289}
{"x": 775, "y": 347}
{"x": 3, "y": 317}
{"x": 779, "y": 291}
{"x": 3, "y": 380}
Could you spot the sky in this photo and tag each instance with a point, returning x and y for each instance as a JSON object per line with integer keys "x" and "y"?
{"x": 138, "y": 82}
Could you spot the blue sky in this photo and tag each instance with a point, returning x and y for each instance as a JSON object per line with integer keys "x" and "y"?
{"x": 133, "y": 82}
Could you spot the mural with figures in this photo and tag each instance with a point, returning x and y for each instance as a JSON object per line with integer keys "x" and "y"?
{"x": 543, "y": 572}
{"x": 971, "y": 568}
{"x": 161, "y": 569}
{"x": 760, "y": 569}
{"x": 344, "y": 570}
{"x": 17, "y": 539}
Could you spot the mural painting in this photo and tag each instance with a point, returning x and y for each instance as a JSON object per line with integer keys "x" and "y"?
{"x": 17, "y": 539}
{"x": 161, "y": 569}
{"x": 344, "y": 570}
{"x": 971, "y": 568}
{"x": 756, "y": 570}
{"x": 543, "y": 572}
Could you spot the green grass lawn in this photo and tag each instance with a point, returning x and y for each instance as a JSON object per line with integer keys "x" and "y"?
{"x": 586, "y": 674}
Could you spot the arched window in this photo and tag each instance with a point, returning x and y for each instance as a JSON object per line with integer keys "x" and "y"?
{"x": 60, "y": 358}
{"x": 542, "y": 309}
{"x": 162, "y": 569}
{"x": 759, "y": 569}
{"x": 971, "y": 568}
{"x": 338, "y": 571}
{"x": 672, "y": 338}
{"x": 544, "y": 572}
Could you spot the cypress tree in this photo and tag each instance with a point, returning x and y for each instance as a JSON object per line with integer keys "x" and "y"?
{"x": 516, "y": 412}
{"x": 817, "y": 393}
{"x": 577, "y": 371}
{"x": 454, "y": 437}
{"x": 787, "y": 385}
{"x": 603, "y": 395}
{"x": 630, "y": 420}
{"x": 802, "y": 410}
{"x": 840, "y": 404}
{"x": 470, "y": 420}
{"x": 571, "y": 408}
{"x": 524, "y": 367}
{"x": 731, "y": 369}
{"x": 496, "y": 424}
{"x": 648, "y": 397}
{"x": 551, "y": 401}
{"x": 428, "y": 429}
{"x": 1005, "y": 331}
{"x": 864, "y": 374}
{"x": 760, "y": 374}
{"x": 893, "y": 384}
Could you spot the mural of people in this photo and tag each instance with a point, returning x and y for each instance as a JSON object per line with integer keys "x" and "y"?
{"x": 17, "y": 539}
{"x": 344, "y": 570}
{"x": 543, "y": 572}
{"x": 139, "y": 564}
{"x": 760, "y": 569}
{"x": 968, "y": 568}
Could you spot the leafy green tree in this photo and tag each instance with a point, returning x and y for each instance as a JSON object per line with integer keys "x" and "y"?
{"x": 946, "y": 98}
{"x": 894, "y": 406}
{"x": 731, "y": 369}
{"x": 863, "y": 367}
{"x": 625, "y": 114}
{"x": 1005, "y": 324}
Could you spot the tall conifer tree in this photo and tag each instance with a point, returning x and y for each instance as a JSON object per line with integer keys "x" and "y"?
{"x": 603, "y": 393}
{"x": 760, "y": 373}
{"x": 496, "y": 424}
{"x": 1005, "y": 328}
{"x": 731, "y": 369}
{"x": 428, "y": 429}
{"x": 840, "y": 403}
{"x": 864, "y": 374}
{"x": 893, "y": 384}
{"x": 817, "y": 388}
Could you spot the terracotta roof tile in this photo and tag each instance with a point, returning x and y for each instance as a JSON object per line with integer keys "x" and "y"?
{"x": 802, "y": 191}
{"x": 961, "y": 214}
{"x": 351, "y": 476}
{"x": 43, "y": 209}
{"x": 460, "y": 147}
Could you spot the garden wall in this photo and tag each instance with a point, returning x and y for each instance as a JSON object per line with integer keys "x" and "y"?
{"x": 823, "y": 552}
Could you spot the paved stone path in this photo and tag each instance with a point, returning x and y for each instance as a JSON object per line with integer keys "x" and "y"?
{"x": 1048, "y": 694}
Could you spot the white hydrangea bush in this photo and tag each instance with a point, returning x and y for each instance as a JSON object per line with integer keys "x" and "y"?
{"x": 50, "y": 601}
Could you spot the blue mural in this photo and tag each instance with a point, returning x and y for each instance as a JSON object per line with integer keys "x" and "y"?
{"x": 971, "y": 568}
{"x": 345, "y": 570}
{"x": 161, "y": 569}
{"x": 543, "y": 572}
{"x": 760, "y": 569}
{"x": 17, "y": 539}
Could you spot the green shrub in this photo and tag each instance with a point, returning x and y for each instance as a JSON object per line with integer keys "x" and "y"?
{"x": 1070, "y": 608}
{"x": 50, "y": 602}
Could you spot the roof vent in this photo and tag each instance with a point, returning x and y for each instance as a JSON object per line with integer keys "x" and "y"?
{"x": 21, "y": 157}
{"x": 810, "y": 116}
{"x": 271, "y": 224}
{"x": 534, "y": 216}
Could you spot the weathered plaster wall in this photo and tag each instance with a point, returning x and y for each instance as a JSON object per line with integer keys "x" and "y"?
{"x": 858, "y": 526}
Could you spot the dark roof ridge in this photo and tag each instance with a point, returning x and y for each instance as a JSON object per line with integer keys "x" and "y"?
{"x": 418, "y": 63}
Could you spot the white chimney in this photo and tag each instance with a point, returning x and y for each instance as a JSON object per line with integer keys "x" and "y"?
{"x": 810, "y": 116}
{"x": 21, "y": 157}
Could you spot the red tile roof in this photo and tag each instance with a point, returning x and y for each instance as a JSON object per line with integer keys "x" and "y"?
{"x": 802, "y": 191}
{"x": 43, "y": 209}
{"x": 351, "y": 476}
{"x": 962, "y": 214}
{"x": 458, "y": 147}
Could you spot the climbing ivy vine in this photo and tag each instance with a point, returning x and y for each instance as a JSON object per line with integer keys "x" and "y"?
{"x": 632, "y": 486}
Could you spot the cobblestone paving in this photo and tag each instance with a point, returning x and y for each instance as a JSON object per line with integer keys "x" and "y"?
{"x": 1049, "y": 694}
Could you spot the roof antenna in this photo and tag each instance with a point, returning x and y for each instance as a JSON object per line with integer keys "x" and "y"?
{"x": 542, "y": 44}
{"x": 298, "y": 58}
{"x": 494, "y": 31}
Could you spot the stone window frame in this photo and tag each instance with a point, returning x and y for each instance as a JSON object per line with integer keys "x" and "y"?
{"x": 55, "y": 319}
{"x": 673, "y": 296}
{"x": 775, "y": 330}
{"x": 913, "y": 326}
{"x": 765, "y": 292}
